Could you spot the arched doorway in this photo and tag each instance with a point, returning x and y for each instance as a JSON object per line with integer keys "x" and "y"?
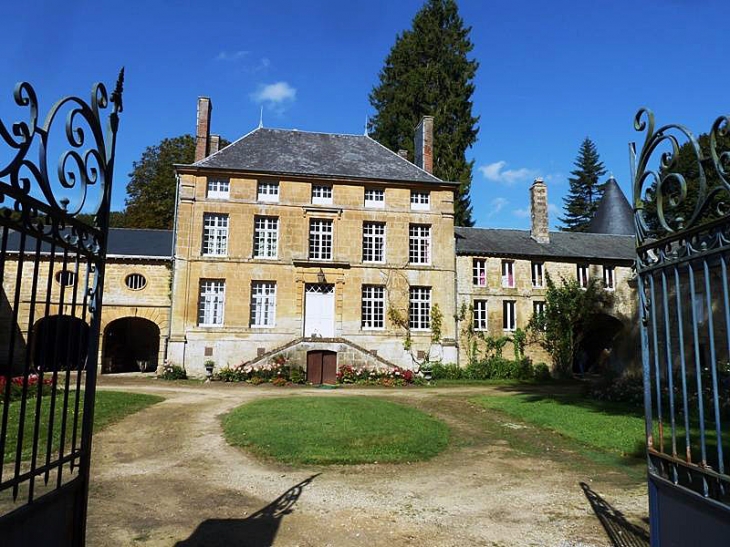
{"x": 322, "y": 367}
{"x": 131, "y": 344}
{"x": 60, "y": 342}
{"x": 597, "y": 343}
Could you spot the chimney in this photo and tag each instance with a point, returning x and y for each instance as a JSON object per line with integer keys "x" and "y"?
{"x": 539, "y": 212}
{"x": 215, "y": 143}
{"x": 403, "y": 153}
{"x": 424, "y": 144}
{"x": 202, "y": 133}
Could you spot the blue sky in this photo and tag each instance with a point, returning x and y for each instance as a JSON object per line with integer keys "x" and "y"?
{"x": 550, "y": 74}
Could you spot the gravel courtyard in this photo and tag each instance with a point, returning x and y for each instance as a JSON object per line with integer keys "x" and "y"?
{"x": 165, "y": 476}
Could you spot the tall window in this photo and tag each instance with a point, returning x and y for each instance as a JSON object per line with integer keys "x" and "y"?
{"x": 582, "y": 275}
{"x": 218, "y": 188}
{"x": 373, "y": 241}
{"x": 211, "y": 302}
{"x": 419, "y": 244}
{"x": 263, "y": 303}
{"x": 320, "y": 239}
{"x": 419, "y": 311}
{"x": 508, "y": 274}
{"x": 480, "y": 315}
{"x": 609, "y": 278}
{"x": 321, "y": 194}
{"x": 215, "y": 234}
{"x": 420, "y": 201}
{"x": 373, "y": 307}
{"x": 538, "y": 275}
{"x": 268, "y": 191}
{"x": 509, "y": 315}
{"x": 538, "y": 307}
{"x": 374, "y": 198}
{"x": 265, "y": 237}
{"x": 479, "y": 272}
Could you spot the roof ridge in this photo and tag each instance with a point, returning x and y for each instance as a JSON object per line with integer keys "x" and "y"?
{"x": 312, "y": 132}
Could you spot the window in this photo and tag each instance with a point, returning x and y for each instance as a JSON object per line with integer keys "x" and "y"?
{"x": 321, "y": 195}
{"x": 538, "y": 307}
{"x": 509, "y": 318}
{"x": 66, "y": 278}
{"x": 373, "y": 307}
{"x": 263, "y": 303}
{"x": 374, "y": 198}
{"x": 265, "y": 237}
{"x": 419, "y": 312}
{"x": 508, "y": 274}
{"x": 212, "y": 302}
{"x": 373, "y": 242}
{"x": 419, "y": 251}
{"x": 218, "y": 189}
{"x": 215, "y": 234}
{"x": 583, "y": 275}
{"x": 320, "y": 239}
{"x": 538, "y": 275}
{"x": 420, "y": 201}
{"x": 480, "y": 315}
{"x": 479, "y": 272}
{"x": 609, "y": 281}
{"x": 135, "y": 281}
{"x": 268, "y": 191}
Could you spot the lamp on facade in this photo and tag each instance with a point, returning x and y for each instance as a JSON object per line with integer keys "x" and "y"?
{"x": 320, "y": 277}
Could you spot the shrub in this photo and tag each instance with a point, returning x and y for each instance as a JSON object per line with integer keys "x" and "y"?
{"x": 498, "y": 368}
{"x": 448, "y": 371}
{"x": 279, "y": 381}
{"x": 296, "y": 375}
{"x": 256, "y": 380}
{"x": 626, "y": 388}
{"x": 16, "y": 386}
{"x": 395, "y": 376}
{"x": 171, "y": 371}
{"x": 542, "y": 372}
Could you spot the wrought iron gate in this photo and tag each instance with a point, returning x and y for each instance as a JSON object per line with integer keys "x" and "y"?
{"x": 682, "y": 202}
{"x": 52, "y": 270}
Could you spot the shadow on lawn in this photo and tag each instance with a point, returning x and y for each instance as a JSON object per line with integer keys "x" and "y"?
{"x": 258, "y": 530}
{"x": 619, "y": 530}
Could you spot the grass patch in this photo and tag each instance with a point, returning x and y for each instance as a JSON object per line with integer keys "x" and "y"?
{"x": 335, "y": 430}
{"x": 111, "y": 406}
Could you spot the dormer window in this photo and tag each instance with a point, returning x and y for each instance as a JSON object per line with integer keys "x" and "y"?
{"x": 420, "y": 201}
{"x": 268, "y": 191}
{"x": 321, "y": 194}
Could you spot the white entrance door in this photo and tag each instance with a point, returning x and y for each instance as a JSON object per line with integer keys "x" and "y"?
{"x": 319, "y": 311}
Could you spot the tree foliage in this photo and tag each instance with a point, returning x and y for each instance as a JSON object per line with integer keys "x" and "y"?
{"x": 569, "y": 310}
{"x": 585, "y": 189}
{"x": 427, "y": 72}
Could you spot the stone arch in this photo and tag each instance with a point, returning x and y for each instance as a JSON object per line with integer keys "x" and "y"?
{"x": 60, "y": 342}
{"x": 130, "y": 344}
{"x": 598, "y": 343}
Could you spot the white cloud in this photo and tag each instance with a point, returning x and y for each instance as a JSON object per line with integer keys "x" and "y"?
{"x": 231, "y": 55}
{"x": 496, "y": 172}
{"x": 522, "y": 213}
{"x": 553, "y": 209}
{"x": 497, "y": 204}
{"x": 277, "y": 94}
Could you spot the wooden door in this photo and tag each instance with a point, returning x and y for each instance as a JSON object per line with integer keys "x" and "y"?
{"x": 329, "y": 367}
{"x": 314, "y": 367}
{"x": 322, "y": 367}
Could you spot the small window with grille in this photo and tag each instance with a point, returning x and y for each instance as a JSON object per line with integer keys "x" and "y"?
{"x": 66, "y": 278}
{"x": 135, "y": 281}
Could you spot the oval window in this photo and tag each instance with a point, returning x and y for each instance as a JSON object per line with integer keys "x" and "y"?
{"x": 66, "y": 278}
{"x": 135, "y": 281}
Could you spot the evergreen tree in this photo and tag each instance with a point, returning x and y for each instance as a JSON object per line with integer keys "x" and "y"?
{"x": 427, "y": 72}
{"x": 585, "y": 190}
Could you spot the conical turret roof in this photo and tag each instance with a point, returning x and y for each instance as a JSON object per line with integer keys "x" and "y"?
{"x": 614, "y": 214}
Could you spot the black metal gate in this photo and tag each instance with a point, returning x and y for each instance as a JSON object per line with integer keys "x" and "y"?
{"x": 682, "y": 201}
{"x": 53, "y": 234}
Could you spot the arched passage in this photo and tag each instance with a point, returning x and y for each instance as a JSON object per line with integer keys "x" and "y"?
{"x": 597, "y": 343}
{"x": 131, "y": 344}
{"x": 60, "y": 342}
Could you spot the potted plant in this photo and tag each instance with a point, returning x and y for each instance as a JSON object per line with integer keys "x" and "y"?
{"x": 209, "y": 366}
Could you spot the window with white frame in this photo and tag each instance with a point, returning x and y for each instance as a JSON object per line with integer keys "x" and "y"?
{"x": 265, "y": 237}
{"x": 420, "y": 201}
{"x": 321, "y": 194}
{"x": 211, "y": 303}
{"x": 419, "y": 244}
{"x": 215, "y": 234}
{"x": 268, "y": 191}
{"x": 538, "y": 275}
{"x": 538, "y": 307}
{"x": 320, "y": 239}
{"x": 508, "y": 274}
{"x": 374, "y": 198}
{"x": 480, "y": 315}
{"x": 479, "y": 272}
{"x": 263, "y": 303}
{"x": 419, "y": 310}
{"x": 218, "y": 188}
{"x": 609, "y": 278}
{"x": 373, "y": 307}
{"x": 373, "y": 242}
{"x": 509, "y": 315}
{"x": 582, "y": 274}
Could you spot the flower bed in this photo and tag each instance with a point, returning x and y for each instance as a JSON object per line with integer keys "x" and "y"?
{"x": 277, "y": 372}
{"x": 395, "y": 376}
{"x": 16, "y": 386}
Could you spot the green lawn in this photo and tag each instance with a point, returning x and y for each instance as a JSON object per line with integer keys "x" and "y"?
{"x": 335, "y": 430}
{"x": 111, "y": 406}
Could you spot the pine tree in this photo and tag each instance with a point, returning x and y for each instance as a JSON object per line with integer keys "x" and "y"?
{"x": 427, "y": 72}
{"x": 585, "y": 189}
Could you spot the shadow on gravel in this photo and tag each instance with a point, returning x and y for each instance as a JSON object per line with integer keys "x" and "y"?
{"x": 258, "y": 530}
{"x": 619, "y": 530}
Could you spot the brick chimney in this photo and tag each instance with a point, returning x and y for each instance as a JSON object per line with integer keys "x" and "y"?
{"x": 202, "y": 133}
{"x": 423, "y": 142}
{"x": 215, "y": 144}
{"x": 539, "y": 230}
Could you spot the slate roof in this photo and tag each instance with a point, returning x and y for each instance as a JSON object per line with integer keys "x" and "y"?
{"x": 563, "y": 245}
{"x": 292, "y": 152}
{"x": 614, "y": 214}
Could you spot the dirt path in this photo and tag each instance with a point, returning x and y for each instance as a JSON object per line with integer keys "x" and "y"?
{"x": 165, "y": 476}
